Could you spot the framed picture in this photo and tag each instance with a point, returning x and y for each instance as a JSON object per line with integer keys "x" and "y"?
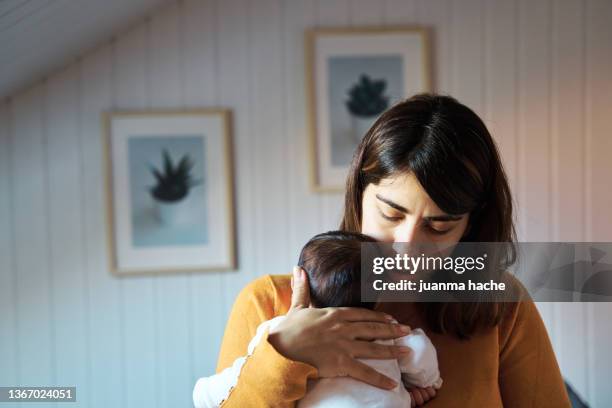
{"x": 170, "y": 191}
{"x": 352, "y": 76}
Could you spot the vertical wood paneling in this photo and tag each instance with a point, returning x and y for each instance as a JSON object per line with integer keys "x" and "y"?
{"x": 200, "y": 88}
{"x": 267, "y": 117}
{"x": 599, "y": 101}
{"x": 34, "y": 315}
{"x": 435, "y": 15}
{"x": 198, "y": 53}
{"x": 172, "y": 295}
{"x": 468, "y": 53}
{"x": 116, "y": 91}
{"x": 65, "y": 238}
{"x": 400, "y": 12}
{"x": 589, "y": 316}
{"x": 8, "y": 301}
{"x": 362, "y": 13}
{"x": 567, "y": 154}
{"x": 232, "y": 45}
{"x": 534, "y": 120}
{"x": 500, "y": 81}
{"x": 599, "y": 146}
{"x": 102, "y": 290}
{"x": 538, "y": 73}
{"x": 572, "y": 350}
{"x": 600, "y": 360}
{"x": 568, "y": 120}
{"x": 139, "y": 313}
{"x": 338, "y": 13}
{"x": 303, "y": 214}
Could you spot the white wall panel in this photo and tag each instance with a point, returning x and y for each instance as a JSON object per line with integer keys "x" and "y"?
{"x": 537, "y": 72}
{"x": 105, "y": 335}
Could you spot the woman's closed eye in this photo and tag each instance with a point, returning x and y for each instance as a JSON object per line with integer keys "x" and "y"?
{"x": 390, "y": 217}
{"x": 434, "y": 229}
{"x": 438, "y": 231}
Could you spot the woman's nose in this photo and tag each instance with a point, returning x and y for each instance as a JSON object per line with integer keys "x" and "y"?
{"x": 406, "y": 232}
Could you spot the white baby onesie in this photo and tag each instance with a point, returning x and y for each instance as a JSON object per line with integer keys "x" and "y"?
{"x": 419, "y": 368}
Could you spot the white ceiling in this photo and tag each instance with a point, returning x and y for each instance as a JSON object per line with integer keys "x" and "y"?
{"x": 40, "y": 36}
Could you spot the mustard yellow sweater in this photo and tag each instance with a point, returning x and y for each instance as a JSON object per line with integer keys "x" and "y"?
{"x": 512, "y": 365}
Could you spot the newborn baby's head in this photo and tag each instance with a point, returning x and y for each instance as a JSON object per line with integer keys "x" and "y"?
{"x": 332, "y": 261}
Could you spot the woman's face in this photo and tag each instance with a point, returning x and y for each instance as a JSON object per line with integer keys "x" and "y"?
{"x": 398, "y": 209}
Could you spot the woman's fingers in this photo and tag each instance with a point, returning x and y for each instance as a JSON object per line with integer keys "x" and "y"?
{"x": 367, "y": 374}
{"x": 366, "y": 349}
{"x": 372, "y": 350}
{"x": 300, "y": 295}
{"x": 358, "y": 314}
{"x": 375, "y": 330}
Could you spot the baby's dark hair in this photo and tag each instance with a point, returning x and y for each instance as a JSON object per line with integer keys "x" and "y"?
{"x": 332, "y": 261}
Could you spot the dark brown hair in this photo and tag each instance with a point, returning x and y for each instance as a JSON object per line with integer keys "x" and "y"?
{"x": 332, "y": 261}
{"x": 450, "y": 151}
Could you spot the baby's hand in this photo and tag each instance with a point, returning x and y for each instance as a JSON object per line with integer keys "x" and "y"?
{"x": 419, "y": 396}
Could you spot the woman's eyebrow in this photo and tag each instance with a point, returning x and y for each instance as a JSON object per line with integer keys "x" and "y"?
{"x": 443, "y": 217}
{"x": 392, "y": 204}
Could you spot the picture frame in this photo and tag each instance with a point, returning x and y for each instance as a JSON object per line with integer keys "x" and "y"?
{"x": 169, "y": 191}
{"x": 352, "y": 76}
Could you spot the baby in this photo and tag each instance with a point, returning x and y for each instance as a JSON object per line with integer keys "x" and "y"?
{"x": 332, "y": 261}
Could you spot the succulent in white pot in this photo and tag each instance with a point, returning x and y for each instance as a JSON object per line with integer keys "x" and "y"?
{"x": 173, "y": 184}
{"x": 366, "y": 102}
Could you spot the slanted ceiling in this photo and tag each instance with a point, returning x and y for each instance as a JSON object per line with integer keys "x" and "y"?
{"x": 40, "y": 36}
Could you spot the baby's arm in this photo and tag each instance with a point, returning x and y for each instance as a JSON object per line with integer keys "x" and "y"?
{"x": 210, "y": 392}
{"x": 419, "y": 368}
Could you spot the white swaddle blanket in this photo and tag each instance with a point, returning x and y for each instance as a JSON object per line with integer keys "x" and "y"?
{"x": 419, "y": 368}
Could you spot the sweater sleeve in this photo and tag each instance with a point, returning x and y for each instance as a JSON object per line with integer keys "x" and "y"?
{"x": 529, "y": 375}
{"x": 267, "y": 378}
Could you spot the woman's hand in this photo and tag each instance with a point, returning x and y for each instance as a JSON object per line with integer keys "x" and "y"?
{"x": 332, "y": 339}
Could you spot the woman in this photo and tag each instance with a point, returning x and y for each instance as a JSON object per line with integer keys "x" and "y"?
{"x": 427, "y": 171}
